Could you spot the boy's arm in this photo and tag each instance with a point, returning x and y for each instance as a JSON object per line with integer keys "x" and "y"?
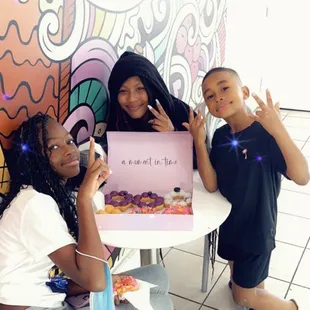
{"x": 296, "y": 163}
{"x": 196, "y": 127}
{"x": 206, "y": 171}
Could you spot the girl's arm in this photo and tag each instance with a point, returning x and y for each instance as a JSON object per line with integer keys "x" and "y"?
{"x": 86, "y": 272}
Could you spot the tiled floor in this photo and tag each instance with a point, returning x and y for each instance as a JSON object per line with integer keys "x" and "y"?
{"x": 290, "y": 264}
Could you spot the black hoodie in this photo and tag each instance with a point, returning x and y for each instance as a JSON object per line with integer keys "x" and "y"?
{"x": 129, "y": 65}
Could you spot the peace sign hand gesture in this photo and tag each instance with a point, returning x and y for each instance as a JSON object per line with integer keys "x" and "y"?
{"x": 162, "y": 121}
{"x": 97, "y": 172}
{"x": 196, "y": 126}
{"x": 268, "y": 114}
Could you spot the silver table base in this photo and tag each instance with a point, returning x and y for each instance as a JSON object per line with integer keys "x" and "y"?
{"x": 205, "y": 265}
{"x": 149, "y": 257}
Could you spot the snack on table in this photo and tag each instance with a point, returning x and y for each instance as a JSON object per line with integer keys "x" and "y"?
{"x": 142, "y": 210}
{"x": 180, "y": 203}
{"x": 177, "y": 209}
{"x": 120, "y": 200}
{"x": 125, "y": 284}
{"x": 188, "y": 199}
{"x": 149, "y": 199}
{"x": 109, "y": 210}
{"x": 178, "y": 197}
{"x": 176, "y": 202}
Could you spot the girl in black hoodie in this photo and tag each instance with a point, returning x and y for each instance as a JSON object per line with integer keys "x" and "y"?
{"x": 140, "y": 100}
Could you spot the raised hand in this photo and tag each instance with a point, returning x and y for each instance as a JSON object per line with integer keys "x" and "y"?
{"x": 162, "y": 121}
{"x": 196, "y": 126}
{"x": 97, "y": 172}
{"x": 268, "y": 114}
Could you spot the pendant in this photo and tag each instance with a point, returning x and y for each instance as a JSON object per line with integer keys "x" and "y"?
{"x": 245, "y": 153}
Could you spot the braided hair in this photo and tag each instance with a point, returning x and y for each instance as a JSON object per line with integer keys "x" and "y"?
{"x": 32, "y": 167}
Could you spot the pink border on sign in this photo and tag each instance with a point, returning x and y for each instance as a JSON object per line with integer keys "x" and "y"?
{"x": 144, "y": 222}
{"x": 150, "y": 161}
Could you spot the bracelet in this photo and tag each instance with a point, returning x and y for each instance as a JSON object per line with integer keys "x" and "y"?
{"x": 90, "y": 256}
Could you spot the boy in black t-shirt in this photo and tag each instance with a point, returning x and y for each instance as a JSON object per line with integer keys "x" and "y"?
{"x": 248, "y": 155}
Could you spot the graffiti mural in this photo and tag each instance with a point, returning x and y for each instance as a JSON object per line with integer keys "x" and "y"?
{"x": 56, "y": 57}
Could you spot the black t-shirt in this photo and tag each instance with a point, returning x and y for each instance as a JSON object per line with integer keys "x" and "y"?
{"x": 248, "y": 165}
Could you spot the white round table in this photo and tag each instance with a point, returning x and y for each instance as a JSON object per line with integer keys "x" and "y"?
{"x": 210, "y": 211}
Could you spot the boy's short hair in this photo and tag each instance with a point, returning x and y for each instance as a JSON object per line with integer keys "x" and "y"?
{"x": 222, "y": 69}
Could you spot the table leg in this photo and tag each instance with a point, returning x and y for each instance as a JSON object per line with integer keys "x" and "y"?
{"x": 149, "y": 257}
{"x": 205, "y": 265}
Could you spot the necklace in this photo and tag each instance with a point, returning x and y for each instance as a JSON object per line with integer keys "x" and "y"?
{"x": 245, "y": 153}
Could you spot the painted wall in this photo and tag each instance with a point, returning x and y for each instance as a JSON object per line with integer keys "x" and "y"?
{"x": 56, "y": 56}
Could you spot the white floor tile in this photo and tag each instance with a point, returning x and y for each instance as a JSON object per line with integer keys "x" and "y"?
{"x": 196, "y": 247}
{"x": 276, "y": 287}
{"x": 287, "y": 203}
{"x": 185, "y": 272}
{"x": 306, "y": 149}
{"x": 301, "y": 134}
{"x": 166, "y": 251}
{"x": 220, "y": 296}
{"x": 297, "y": 122}
{"x": 284, "y": 260}
{"x": 302, "y": 276}
{"x": 290, "y": 185}
{"x": 301, "y": 295}
{"x": 300, "y": 144}
{"x": 293, "y": 230}
{"x": 283, "y": 112}
{"x": 299, "y": 114}
{"x": 183, "y": 304}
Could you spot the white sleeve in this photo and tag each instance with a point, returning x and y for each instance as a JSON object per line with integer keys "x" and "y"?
{"x": 43, "y": 229}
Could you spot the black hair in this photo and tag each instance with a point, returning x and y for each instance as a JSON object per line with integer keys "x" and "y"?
{"x": 32, "y": 167}
{"x": 221, "y": 69}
